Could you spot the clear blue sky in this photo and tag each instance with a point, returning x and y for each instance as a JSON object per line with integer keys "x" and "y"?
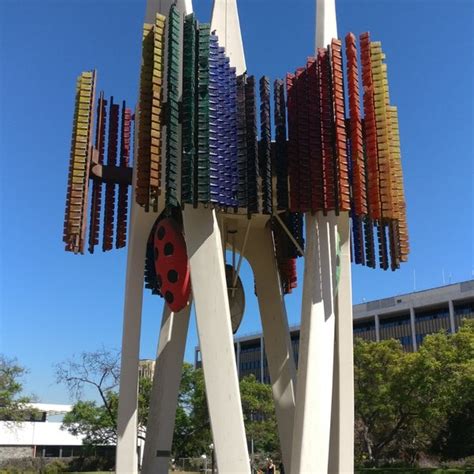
{"x": 54, "y": 304}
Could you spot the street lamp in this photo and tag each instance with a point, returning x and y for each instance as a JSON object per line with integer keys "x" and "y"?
{"x": 211, "y": 448}
{"x": 204, "y": 457}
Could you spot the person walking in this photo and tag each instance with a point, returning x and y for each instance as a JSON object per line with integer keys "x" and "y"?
{"x": 271, "y": 469}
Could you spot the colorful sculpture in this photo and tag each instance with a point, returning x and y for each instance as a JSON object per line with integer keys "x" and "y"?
{"x": 206, "y": 178}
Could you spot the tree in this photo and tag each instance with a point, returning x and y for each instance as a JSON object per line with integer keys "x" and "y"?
{"x": 456, "y": 439}
{"x": 97, "y": 422}
{"x": 13, "y": 405}
{"x": 259, "y": 415}
{"x": 404, "y": 400}
{"x": 192, "y": 433}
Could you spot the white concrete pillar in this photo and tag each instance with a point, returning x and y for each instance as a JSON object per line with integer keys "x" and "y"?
{"x": 164, "y": 395}
{"x": 451, "y": 317}
{"x": 278, "y": 349}
{"x": 312, "y": 423}
{"x": 326, "y": 24}
{"x": 163, "y": 6}
{"x": 377, "y": 327}
{"x": 413, "y": 327}
{"x": 225, "y": 22}
{"x": 140, "y": 224}
{"x": 139, "y": 229}
{"x": 204, "y": 246}
{"x": 341, "y": 454}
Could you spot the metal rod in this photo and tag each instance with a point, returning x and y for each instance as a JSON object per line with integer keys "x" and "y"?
{"x": 223, "y": 235}
{"x": 241, "y": 257}
{"x": 297, "y": 245}
{"x": 233, "y": 255}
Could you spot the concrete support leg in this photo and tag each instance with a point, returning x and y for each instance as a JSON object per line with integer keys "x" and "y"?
{"x": 452, "y": 324}
{"x": 312, "y": 423}
{"x": 279, "y": 352}
{"x": 377, "y": 327}
{"x": 413, "y": 328}
{"x": 164, "y": 395}
{"x": 341, "y": 454}
{"x": 204, "y": 245}
{"x": 126, "y": 457}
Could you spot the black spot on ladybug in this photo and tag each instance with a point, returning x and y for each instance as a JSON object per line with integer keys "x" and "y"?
{"x": 172, "y": 276}
{"x": 161, "y": 233}
{"x": 169, "y": 249}
{"x": 159, "y": 281}
{"x": 157, "y": 253}
{"x": 169, "y": 297}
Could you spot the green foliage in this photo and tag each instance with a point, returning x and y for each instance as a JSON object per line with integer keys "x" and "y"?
{"x": 259, "y": 415}
{"x": 144, "y": 393}
{"x": 192, "y": 435}
{"x": 92, "y": 463}
{"x": 404, "y": 401}
{"x": 13, "y": 405}
{"x": 55, "y": 467}
{"x": 97, "y": 421}
{"x": 411, "y": 471}
{"x": 93, "y": 421}
{"x": 52, "y": 466}
{"x": 407, "y": 404}
{"x": 33, "y": 465}
{"x": 456, "y": 439}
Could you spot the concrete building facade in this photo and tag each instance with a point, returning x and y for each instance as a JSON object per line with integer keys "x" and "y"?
{"x": 41, "y": 437}
{"x": 408, "y": 318}
{"x": 146, "y": 368}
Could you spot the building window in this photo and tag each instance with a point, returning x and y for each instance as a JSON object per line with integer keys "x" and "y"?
{"x": 432, "y": 320}
{"x": 462, "y": 311}
{"x": 397, "y": 327}
{"x": 52, "y": 452}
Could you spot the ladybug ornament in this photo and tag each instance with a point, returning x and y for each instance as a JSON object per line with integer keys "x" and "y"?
{"x": 171, "y": 264}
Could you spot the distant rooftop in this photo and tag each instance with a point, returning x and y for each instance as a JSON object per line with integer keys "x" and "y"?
{"x": 51, "y": 408}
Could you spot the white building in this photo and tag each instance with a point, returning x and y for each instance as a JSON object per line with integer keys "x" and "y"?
{"x": 40, "y": 438}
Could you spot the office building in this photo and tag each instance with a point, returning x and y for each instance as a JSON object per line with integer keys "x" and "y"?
{"x": 408, "y": 318}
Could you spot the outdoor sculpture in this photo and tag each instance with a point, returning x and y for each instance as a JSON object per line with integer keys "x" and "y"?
{"x": 204, "y": 180}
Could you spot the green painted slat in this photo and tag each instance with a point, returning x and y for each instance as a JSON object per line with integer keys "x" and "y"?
{"x": 172, "y": 122}
{"x": 203, "y": 183}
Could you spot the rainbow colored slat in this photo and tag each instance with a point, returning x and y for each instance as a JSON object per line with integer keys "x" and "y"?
{"x": 78, "y": 180}
{"x": 149, "y": 147}
{"x": 281, "y": 165}
{"x": 96, "y": 198}
{"x": 109, "y": 211}
{"x": 359, "y": 195}
{"x": 156, "y": 112}
{"x": 122, "y": 204}
{"x": 330, "y": 154}
{"x": 342, "y": 161}
{"x": 87, "y": 162}
{"x": 172, "y": 110}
